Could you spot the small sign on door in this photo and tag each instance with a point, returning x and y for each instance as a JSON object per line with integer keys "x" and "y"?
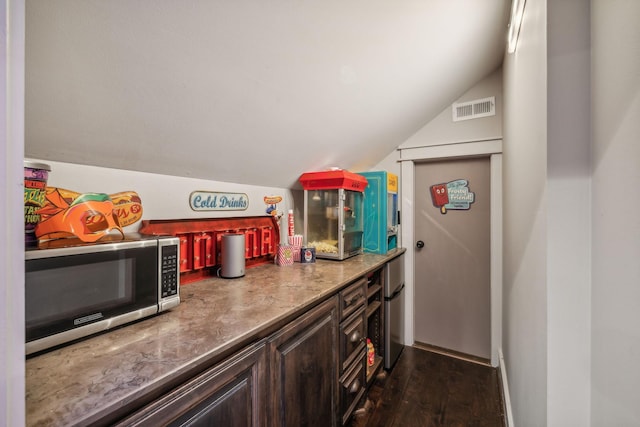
{"x": 452, "y": 195}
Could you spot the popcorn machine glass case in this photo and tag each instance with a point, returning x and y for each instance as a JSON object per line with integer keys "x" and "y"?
{"x": 333, "y": 213}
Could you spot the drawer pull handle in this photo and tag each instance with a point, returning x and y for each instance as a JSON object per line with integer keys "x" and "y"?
{"x": 355, "y": 386}
{"x": 354, "y": 300}
{"x": 355, "y": 336}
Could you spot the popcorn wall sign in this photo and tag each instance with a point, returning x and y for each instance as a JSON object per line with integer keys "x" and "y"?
{"x": 453, "y": 195}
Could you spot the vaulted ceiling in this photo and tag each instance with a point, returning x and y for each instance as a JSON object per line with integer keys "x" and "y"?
{"x": 247, "y": 91}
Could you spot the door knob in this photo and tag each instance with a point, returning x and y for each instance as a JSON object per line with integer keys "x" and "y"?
{"x": 419, "y": 244}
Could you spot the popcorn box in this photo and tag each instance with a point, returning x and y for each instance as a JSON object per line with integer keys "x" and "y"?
{"x": 285, "y": 255}
{"x": 307, "y": 255}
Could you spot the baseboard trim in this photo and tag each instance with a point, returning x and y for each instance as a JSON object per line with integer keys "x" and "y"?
{"x": 506, "y": 400}
{"x": 452, "y": 353}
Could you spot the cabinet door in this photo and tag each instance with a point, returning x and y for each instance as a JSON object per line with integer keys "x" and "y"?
{"x": 304, "y": 370}
{"x": 231, "y": 394}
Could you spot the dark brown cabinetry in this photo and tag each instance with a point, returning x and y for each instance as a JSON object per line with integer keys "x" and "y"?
{"x": 205, "y": 357}
{"x": 304, "y": 370}
{"x": 311, "y": 372}
{"x": 232, "y": 393}
{"x": 352, "y": 346}
{"x": 375, "y": 320}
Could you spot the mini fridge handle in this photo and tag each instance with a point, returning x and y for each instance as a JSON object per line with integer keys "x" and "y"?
{"x": 395, "y": 293}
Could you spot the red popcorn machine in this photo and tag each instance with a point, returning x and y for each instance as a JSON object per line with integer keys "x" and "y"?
{"x": 333, "y": 212}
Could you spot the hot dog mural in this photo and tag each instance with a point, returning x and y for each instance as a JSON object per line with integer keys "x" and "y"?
{"x": 452, "y": 195}
{"x": 86, "y": 216}
{"x": 272, "y": 206}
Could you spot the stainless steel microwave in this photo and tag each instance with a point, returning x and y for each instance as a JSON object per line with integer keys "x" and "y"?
{"x": 79, "y": 290}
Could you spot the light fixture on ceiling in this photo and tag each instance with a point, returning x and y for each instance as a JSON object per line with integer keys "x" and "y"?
{"x": 517, "y": 11}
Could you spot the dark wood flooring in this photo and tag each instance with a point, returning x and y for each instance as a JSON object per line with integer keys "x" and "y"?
{"x": 430, "y": 389}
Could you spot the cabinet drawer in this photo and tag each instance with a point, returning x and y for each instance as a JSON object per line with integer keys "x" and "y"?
{"x": 352, "y": 297}
{"x": 352, "y": 386}
{"x": 352, "y": 338}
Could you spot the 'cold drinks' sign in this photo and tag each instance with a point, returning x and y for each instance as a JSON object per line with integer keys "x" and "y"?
{"x": 214, "y": 201}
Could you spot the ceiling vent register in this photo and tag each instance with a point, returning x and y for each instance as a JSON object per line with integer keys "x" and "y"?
{"x": 484, "y": 107}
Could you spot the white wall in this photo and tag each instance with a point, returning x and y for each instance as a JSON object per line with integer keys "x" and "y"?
{"x": 525, "y": 219}
{"x": 246, "y": 91}
{"x": 572, "y": 324}
{"x": 442, "y": 129}
{"x": 569, "y": 219}
{"x": 12, "y": 387}
{"x": 163, "y": 196}
{"x": 615, "y": 65}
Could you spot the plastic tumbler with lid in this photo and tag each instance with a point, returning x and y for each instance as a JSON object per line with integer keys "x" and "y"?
{"x": 35, "y": 184}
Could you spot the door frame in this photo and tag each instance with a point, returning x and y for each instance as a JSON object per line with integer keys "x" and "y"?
{"x": 491, "y": 148}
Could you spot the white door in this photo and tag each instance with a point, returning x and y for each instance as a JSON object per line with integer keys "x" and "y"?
{"x": 452, "y": 276}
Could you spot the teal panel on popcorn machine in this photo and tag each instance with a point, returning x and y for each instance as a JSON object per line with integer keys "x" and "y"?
{"x": 380, "y": 212}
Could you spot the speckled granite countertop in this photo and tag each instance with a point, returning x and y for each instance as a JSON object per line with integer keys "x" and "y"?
{"x": 83, "y": 383}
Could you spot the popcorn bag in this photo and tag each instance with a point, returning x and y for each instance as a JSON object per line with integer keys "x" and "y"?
{"x": 285, "y": 255}
{"x": 295, "y": 242}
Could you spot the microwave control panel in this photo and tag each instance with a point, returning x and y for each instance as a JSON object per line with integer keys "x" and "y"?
{"x": 169, "y": 270}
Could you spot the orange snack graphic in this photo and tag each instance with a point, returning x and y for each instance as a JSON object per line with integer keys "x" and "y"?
{"x": 88, "y": 216}
{"x": 128, "y": 207}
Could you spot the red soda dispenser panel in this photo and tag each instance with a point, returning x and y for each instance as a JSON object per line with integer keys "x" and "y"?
{"x": 200, "y": 241}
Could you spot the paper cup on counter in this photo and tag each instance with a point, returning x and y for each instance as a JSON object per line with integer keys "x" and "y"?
{"x": 296, "y": 253}
{"x": 295, "y": 240}
{"x": 285, "y": 255}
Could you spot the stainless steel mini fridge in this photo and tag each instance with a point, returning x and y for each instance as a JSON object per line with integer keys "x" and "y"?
{"x": 394, "y": 311}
